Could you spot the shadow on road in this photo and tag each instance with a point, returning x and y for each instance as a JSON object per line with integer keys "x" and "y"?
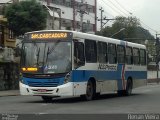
{"x": 79, "y": 99}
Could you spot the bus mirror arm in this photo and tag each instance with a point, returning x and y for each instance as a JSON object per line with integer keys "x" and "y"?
{"x": 79, "y": 61}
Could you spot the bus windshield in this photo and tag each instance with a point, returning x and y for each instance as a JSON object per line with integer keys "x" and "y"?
{"x": 47, "y": 57}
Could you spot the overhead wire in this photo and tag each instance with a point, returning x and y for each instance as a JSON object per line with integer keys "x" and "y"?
{"x": 108, "y": 14}
{"x": 131, "y": 14}
{"x": 148, "y": 26}
{"x": 117, "y": 8}
{"x": 123, "y": 7}
{"x": 125, "y": 13}
{"x": 112, "y": 8}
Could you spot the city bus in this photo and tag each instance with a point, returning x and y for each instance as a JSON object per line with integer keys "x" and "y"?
{"x": 62, "y": 63}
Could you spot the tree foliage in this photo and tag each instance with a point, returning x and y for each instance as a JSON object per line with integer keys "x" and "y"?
{"x": 26, "y": 16}
{"x": 132, "y": 30}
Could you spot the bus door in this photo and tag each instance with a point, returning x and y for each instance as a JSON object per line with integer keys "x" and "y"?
{"x": 78, "y": 72}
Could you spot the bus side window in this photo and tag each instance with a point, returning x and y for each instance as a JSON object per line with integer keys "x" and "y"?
{"x": 112, "y": 56}
{"x": 142, "y": 57}
{"x": 129, "y": 56}
{"x": 102, "y": 52}
{"x": 136, "y": 56}
{"x": 79, "y": 54}
{"x": 91, "y": 51}
{"x": 120, "y": 54}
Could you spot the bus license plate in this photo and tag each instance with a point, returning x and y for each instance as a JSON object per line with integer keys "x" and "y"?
{"x": 42, "y": 90}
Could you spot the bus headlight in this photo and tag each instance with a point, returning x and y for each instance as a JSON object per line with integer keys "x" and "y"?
{"x": 67, "y": 78}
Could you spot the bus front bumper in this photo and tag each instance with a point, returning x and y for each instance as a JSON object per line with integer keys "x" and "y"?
{"x": 62, "y": 90}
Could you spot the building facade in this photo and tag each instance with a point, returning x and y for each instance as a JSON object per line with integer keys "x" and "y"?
{"x": 7, "y": 39}
{"x": 77, "y": 15}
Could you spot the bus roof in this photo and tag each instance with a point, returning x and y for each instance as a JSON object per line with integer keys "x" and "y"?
{"x": 80, "y": 35}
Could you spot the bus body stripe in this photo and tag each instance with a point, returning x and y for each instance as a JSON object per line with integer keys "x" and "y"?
{"x": 123, "y": 77}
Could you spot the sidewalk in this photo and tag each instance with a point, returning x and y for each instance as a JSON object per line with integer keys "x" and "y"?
{"x": 9, "y": 93}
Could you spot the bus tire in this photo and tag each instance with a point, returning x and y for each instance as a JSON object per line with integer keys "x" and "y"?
{"x": 46, "y": 98}
{"x": 90, "y": 91}
{"x": 120, "y": 92}
{"x": 129, "y": 87}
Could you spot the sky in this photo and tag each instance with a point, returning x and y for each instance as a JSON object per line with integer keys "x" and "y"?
{"x": 148, "y": 11}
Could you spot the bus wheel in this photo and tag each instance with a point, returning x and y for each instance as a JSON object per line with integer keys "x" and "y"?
{"x": 47, "y": 98}
{"x": 90, "y": 91}
{"x": 120, "y": 92}
{"x": 129, "y": 87}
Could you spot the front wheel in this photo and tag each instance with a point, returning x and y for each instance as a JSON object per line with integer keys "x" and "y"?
{"x": 90, "y": 91}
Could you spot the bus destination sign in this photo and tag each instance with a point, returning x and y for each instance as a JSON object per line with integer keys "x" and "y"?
{"x": 49, "y": 35}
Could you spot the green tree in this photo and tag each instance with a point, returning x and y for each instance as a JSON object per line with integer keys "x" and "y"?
{"x": 26, "y": 16}
{"x": 132, "y": 32}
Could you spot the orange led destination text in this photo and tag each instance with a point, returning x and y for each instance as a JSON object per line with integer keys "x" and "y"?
{"x": 48, "y": 35}
{"x": 29, "y": 69}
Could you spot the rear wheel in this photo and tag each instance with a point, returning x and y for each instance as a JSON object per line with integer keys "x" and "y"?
{"x": 120, "y": 92}
{"x": 129, "y": 87}
{"x": 128, "y": 90}
{"x": 47, "y": 98}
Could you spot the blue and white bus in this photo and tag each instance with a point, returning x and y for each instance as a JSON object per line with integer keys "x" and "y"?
{"x": 61, "y": 63}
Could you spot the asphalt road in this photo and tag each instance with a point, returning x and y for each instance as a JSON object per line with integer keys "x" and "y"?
{"x": 145, "y": 100}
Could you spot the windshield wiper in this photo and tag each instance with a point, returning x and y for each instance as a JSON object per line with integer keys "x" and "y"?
{"x": 50, "y": 50}
{"x": 38, "y": 56}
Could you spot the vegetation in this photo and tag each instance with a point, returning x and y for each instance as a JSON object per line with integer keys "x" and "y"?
{"x": 132, "y": 30}
{"x": 25, "y": 16}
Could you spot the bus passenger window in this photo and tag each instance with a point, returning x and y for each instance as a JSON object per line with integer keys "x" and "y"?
{"x": 91, "y": 51}
{"x": 78, "y": 54}
{"x": 102, "y": 52}
{"x": 120, "y": 54}
{"x": 136, "y": 57}
{"x": 112, "y": 56}
{"x": 129, "y": 56}
{"x": 143, "y": 57}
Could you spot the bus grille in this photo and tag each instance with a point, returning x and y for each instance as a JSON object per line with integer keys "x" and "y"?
{"x": 43, "y": 84}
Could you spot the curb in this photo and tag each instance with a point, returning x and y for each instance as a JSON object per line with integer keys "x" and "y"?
{"x": 9, "y": 93}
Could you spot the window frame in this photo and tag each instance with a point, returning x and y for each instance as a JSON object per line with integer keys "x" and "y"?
{"x": 100, "y": 49}
{"x": 134, "y": 57}
{"x": 119, "y": 57}
{"x": 144, "y": 57}
{"x": 89, "y": 50}
{"x": 131, "y": 56}
{"x": 113, "y": 53}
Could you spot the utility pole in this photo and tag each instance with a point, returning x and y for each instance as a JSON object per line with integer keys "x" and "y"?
{"x": 103, "y": 19}
{"x": 82, "y": 11}
{"x": 74, "y": 15}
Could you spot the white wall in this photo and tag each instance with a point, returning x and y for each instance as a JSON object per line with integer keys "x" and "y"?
{"x": 153, "y": 74}
{"x": 66, "y": 12}
{"x": 90, "y": 2}
{"x": 86, "y": 17}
